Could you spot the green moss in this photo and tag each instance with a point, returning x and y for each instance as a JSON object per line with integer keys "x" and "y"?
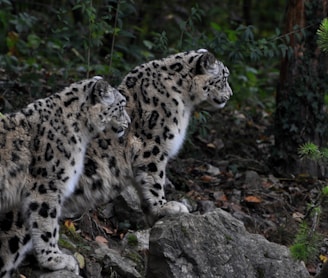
{"x": 132, "y": 240}
{"x": 138, "y": 259}
{"x": 228, "y": 237}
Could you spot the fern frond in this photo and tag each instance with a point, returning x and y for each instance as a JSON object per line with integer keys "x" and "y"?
{"x": 310, "y": 150}
{"x": 322, "y": 33}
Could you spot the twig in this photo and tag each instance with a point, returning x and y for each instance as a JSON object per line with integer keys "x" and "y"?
{"x": 114, "y": 35}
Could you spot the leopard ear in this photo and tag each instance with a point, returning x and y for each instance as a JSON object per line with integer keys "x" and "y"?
{"x": 207, "y": 64}
{"x": 102, "y": 92}
{"x": 96, "y": 84}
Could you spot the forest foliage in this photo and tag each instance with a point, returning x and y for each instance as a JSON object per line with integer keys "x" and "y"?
{"x": 49, "y": 43}
{"x": 45, "y": 45}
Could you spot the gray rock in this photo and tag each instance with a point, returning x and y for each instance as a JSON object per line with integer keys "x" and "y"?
{"x": 59, "y": 274}
{"x": 252, "y": 180}
{"x": 112, "y": 259}
{"x": 138, "y": 240}
{"x": 93, "y": 269}
{"x": 206, "y": 206}
{"x": 127, "y": 207}
{"x": 215, "y": 245}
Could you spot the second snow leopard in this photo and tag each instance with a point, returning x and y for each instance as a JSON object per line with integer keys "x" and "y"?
{"x": 41, "y": 159}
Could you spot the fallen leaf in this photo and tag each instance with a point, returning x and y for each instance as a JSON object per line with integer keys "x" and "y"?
{"x": 80, "y": 259}
{"x": 252, "y": 199}
{"x": 101, "y": 239}
{"x": 70, "y": 225}
{"x": 323, "y": 258}
{"x": 207, "y": 178}
{"x": 298, "y": 216}
{"x": 211, "y": 146}
{"x": 108, "y": 231}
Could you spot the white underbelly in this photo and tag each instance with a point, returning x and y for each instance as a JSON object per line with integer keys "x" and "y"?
{"x": 179, "y": 135}
{"x": 176, "y": 143}
{"x": 74, "y": 176}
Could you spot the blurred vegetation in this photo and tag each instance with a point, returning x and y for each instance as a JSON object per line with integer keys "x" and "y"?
{"x": 47, "y": 44}
{"x": 306, "y": 246}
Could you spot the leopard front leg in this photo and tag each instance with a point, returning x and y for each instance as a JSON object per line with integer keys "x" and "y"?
{"x": 150, "y": 179}
{"x": 15, "y": 242}
{"x": 43, "y": 215}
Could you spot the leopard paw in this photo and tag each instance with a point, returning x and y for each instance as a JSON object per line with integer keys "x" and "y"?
{"x": 173, "y": 208}
{"x": 60, "y": 261}
{"x": 169, "y": 208}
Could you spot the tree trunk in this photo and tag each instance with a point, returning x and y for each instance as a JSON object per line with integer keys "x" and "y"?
{"x": 300, "y": 115}
{"x": 247, "y": 8}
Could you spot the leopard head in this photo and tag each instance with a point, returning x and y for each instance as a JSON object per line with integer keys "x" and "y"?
{"x": 108, "y": 107}
{"x": 210, "y": 82}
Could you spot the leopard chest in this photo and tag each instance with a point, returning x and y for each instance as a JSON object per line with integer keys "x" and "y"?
{"x": 177, "y": 133}
{"x": 74, "y": 173}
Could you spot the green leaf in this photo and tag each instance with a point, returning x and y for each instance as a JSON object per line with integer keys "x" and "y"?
{"x": 324, "y": 153}
{"x": 216, "y": 26}
{"x": 325, "y": 191}
{"x": 148, "y": 44}
{"x": 33, "y": 41}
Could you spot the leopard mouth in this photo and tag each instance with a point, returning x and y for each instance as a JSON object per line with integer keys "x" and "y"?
{"x": 119, "y": 126}
{"x": 219, "y": 102}
{"x": 119, "y": 131}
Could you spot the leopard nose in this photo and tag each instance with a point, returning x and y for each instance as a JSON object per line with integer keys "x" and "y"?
{"x": 229, "y": 90}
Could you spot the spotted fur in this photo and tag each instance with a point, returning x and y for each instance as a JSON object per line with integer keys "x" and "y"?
{"x": 41, "y": 158}
{"x": 161, "y": 96}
